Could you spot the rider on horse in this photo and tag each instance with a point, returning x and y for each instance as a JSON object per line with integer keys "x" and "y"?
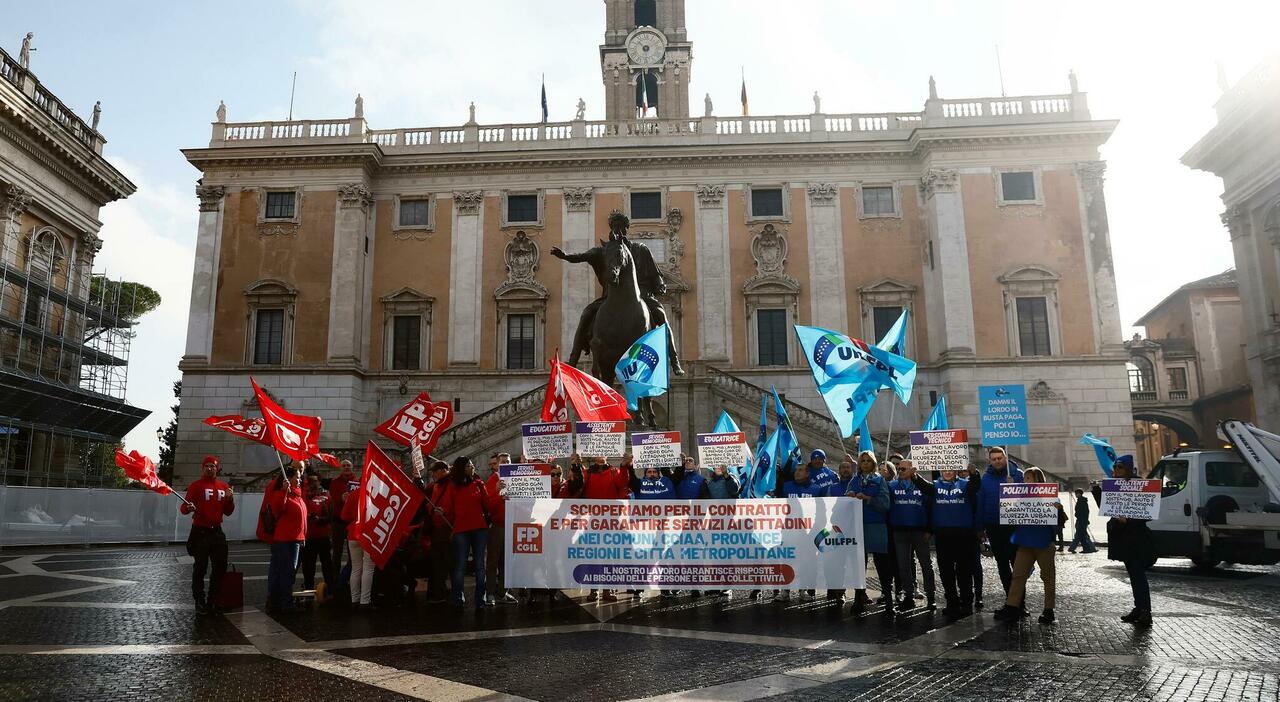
{"x": 651, "y": 286}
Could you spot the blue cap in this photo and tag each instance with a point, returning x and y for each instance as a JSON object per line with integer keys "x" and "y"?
{"x": 818, "y": 453}
{"x": 1125, "y": 460}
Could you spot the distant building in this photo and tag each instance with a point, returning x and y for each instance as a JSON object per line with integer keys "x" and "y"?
{"x": 1244, "y": 150}
{"x": 64, "y": 337}
{"x": 1189, "y": 373}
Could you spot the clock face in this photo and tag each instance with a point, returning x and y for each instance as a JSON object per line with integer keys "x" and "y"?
{"x": 646, "y": 47}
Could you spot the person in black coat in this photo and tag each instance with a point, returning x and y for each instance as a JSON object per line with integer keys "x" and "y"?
{"x": 1129, "y": 541}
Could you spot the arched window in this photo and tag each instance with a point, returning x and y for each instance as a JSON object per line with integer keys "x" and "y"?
{"x": 647, "y": 95}
{"x": 646, "y": 13}
{"x": 1142, "y": 375}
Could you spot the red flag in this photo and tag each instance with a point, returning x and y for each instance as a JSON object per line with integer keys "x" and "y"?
{"x": 253, "y": 429}
{"x": 142, "y": 469}
{"x": 555, "y": 405}
{"x": 295, "y": 436}
{"x": 422, "y": 418}
{"x": 387, "y": 502}
{"x": 592, "y": 399}
{"x": 329, "y": 460}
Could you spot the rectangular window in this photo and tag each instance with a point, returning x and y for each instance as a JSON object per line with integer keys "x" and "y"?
{"x": 268, "y": 343}
{"x": 883, "y": 319}
{"x": 766, "y": 202}
{"x": 413, "y": 213}
{"x": 1033, "y": 326}
{"x": 772, "y": 327}
{"x": 1018, "y": 186}
{"x": 1177, "y": 378}
{"x": 522, "y": 208}
{"x": 877, "y": 200}
{"x": 520, "y": 341}
{"x": 406, "y": 342}
{"x": 32, "y": 314}
{"x": 646, "y": 205}
{"x": 1237, "y": 475}
{"x": 280, "y": 205}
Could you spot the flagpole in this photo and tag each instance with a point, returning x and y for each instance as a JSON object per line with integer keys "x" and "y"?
{"x": 888, "y": 446}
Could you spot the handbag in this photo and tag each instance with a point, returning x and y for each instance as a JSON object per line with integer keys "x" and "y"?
{"x": 231, "y": 590}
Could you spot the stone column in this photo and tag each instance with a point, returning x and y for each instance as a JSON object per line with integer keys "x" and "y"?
{"x": 467, "y": 251}
{"x": 827, "y": 302}
{"x": 347, "y": 322}
{"x": 715, "y": 296}
{"x": 16, "y": 201}
{"x": 577, "y": 287}
{"x": 204, "y": 277}
{"x": 1260, "y": 335}
{"x": 1108, "y": 337}
{"x": 944, "y": 215}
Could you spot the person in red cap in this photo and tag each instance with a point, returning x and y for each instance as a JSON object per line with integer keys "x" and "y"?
{"x": 208, "y": 501}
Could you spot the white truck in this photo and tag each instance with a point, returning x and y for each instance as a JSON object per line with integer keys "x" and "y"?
{"x": 1221, "y": 505}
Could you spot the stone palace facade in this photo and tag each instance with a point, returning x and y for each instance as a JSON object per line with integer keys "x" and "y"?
{"x": 348, "y": 268}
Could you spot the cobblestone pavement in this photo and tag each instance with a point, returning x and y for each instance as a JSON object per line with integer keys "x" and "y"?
{"x": 108, "y": 623}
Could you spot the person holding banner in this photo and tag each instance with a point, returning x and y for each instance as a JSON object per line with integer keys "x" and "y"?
{"x": 1129, "y": 541}
{"x": 867, "y": 485}
{"x": 604, "y": 482}
{"x": 955, "y": 539}
{"x": 290, "y": 531}
{"x": 208, "y": 501}
{"x": 1035, "y": 548}
{"x": 722, "y": 485}
{"x": 1000, "y": 470}
{"x": 466, "y": 506}
{"x": 655, "y": 486}
{"x": 360, "y": 582}
{"x": 909, "y": 515}
{"x": 840, "y": 488}
{"x": 820, "y": 475}
{"x": 689, "y": 483}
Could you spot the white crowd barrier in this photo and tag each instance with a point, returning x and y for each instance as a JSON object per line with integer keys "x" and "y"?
{"x": 48, "y": 516}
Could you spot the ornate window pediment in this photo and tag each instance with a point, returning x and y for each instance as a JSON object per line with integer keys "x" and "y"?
{"x": 278, "y": 299}
{"x": 521, "y": 300}
{"x": 1027, "y": 283}
{"x": 406, "y": 302}
{"x": 888, "y": 292}
{"x": 45, "y": 252}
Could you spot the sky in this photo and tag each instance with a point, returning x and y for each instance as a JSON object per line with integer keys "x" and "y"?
{"x": 160, "y": 69}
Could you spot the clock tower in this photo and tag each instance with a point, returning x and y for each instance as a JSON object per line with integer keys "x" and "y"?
{"x": 645, "y": 60}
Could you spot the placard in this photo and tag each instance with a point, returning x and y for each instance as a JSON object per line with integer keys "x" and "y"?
{"x": 1029, "y": 504}
{"x": 601, "y": 438}
{"x": 795, "y": 543}
{"x": 726, "y": 448}
{"x": 659, "y": 449}
{"x": 941, "y": 449}
{"x": 1131, "y": 499}
{"x": 524, "y": 481}
{"x": 1003, "y": 410}
{"x": 544, "y": 440}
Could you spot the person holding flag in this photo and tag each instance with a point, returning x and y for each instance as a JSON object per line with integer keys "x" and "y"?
{"x": 208, "y": 501}
{"x": 868, "y": 486}
{"x": 289, "y": 517}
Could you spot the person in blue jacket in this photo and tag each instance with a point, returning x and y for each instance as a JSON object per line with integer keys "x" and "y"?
{"x": 1000, "y": 470}
{"x": 909, "y": 515}
{"x": 820, "y": 475}
{"x": 799, "y": 486}
{"x": 655, "y": 486}
{"x": 955, "y": 537}
{"x": 1035, "y": 548}
{"x": 722, "y": 485}
{"x": 690, "y": 485}
{"x": 867, "y": 485}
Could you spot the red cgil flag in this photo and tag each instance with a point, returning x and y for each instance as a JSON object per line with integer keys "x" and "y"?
{"x": 555, "y": 405}
{"x": 142, "y": 469}
{"x": 253, "y": 429}
{"x": 296, "y": 436}
{"x": 388, "y": 499}
{"x": 592, "y": 400}
{"x": 421, "y": 418}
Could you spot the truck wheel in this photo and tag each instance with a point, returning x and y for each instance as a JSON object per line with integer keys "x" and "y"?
{"x": 1215, "y": 510}
{"x": 1204, "y": 563}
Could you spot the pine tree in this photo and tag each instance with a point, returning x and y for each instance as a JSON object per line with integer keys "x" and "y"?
{"x": 169, "y": 442}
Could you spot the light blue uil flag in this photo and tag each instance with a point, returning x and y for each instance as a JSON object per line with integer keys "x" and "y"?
{"x": 864, "y": 438}
{"x": 938, "y": 418}
{"x": 1102, "y": 449}
{"x": 764, "y": 479}
{"x": 788, "y": 444}
{"x": 643, "y": 368}
{"x": 895, "y": 340}
{"x": 848, "y": 372}
{"x": 725, "y": 424}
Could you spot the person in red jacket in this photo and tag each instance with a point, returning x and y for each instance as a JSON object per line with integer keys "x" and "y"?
{"x": 290, "y": 513}
{"x": 212, "y": 500}
{"x": 441, "y": 553}
{"x": 467, "y": 506}
{"x": 319, "y": 516}
{"x": 338, "y": 488}
{"x": 495, "y": 550}
{"x": 602, "y": 481}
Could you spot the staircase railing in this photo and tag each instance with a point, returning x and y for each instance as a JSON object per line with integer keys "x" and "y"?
{"x": 498, "y": 417}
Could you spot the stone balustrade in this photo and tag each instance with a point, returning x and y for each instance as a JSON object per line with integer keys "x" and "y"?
{"x": 22, "y": 79}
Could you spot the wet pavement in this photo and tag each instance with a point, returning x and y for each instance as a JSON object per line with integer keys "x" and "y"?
{"x": 99, "y": 624}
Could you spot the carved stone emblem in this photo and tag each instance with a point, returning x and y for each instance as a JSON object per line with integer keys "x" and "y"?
{"x": 769, "y": 249}
{"x": 522, "y": 257}
{"x": 578, "y": 199}
{"x": 940, "y": 180}
{"x": 1042, "y": 392}
{"x": 711, "y": 195}
{"x": 468, "y": 202}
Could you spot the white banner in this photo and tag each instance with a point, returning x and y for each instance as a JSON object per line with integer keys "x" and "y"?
{"x": 525, "y": 480}
{"x": 656, "y": 449}
{"x": 722, "y": 449}
{"x": 1029, "y": 504}
{"x": 543, "y": 441}
{"x": 601, "y": 439}
{"x": 1131, "y": 499}
{"x": 810, "y": 543}
{"x": 942, "y": 449}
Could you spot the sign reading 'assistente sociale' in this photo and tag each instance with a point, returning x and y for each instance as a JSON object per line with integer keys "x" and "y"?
{"x": 942, "y": 449}
{"x": 727, "y": 448}
{"x": 1029, "y": 504}
{"x": 690, "y": 544}
{"x": 660, "y": 449}
{"x": 547, "y": 440}
{"x": 1003, "y": 411}
{"x": 1131, "y": 499}
{"x": 601, "y": 438}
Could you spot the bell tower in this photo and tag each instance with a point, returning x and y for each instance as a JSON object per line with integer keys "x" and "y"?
{"x": 645, "y": 60}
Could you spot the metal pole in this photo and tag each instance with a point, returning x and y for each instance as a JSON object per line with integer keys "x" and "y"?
{"x": 889, "y": 437}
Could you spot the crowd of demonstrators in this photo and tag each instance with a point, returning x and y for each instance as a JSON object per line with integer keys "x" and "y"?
{"x": 208, "y": 501}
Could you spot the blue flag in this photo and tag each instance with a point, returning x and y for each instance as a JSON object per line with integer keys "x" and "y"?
{"x": 765, "y": 478}
{"x": 725, "y": 423}
{"x": 848, "y": 373}
{"x": 895, "y": 340}
{"x": 544, "y": 99}
{"x": 788, "y": 444}
{"x": 938, "y": 418}
{"x": 643, "y": 368}
{"x": 1102, "y": 449}
{"x": 864, "y": 438}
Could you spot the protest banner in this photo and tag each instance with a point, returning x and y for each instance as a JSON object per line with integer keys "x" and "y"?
{"x": 601, "y": 438}
{"x": 726, "y": 448}
{"x": 544, "y": 440}
{"x": 1029, "y": 504}
{"x": 1003, "y": 410}
{"x": 689, "y": 544}
{"x": 941, "y": 449}
{"x": 1131, "y": 499}
{"x": 659, "y": 449}
{"x": 524, "y": 481}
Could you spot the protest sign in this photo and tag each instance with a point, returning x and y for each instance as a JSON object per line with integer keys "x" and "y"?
{"x": 1003, "y": 411}
{"x": 1131, "y": 499}
{"x": 544, "y": 440}
{"x": 1029, "y": 504}
{"x": 688, "y": 544}
{"x": 659, "y": 449}
{"x": 942, "y": 449}
{"x": 601, "y": 438}
{"x": 726, "y": 448}
{"x": 525, "y": 480}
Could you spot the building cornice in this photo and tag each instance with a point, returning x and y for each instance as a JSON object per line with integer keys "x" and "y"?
{"x": 83, "y": 168}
